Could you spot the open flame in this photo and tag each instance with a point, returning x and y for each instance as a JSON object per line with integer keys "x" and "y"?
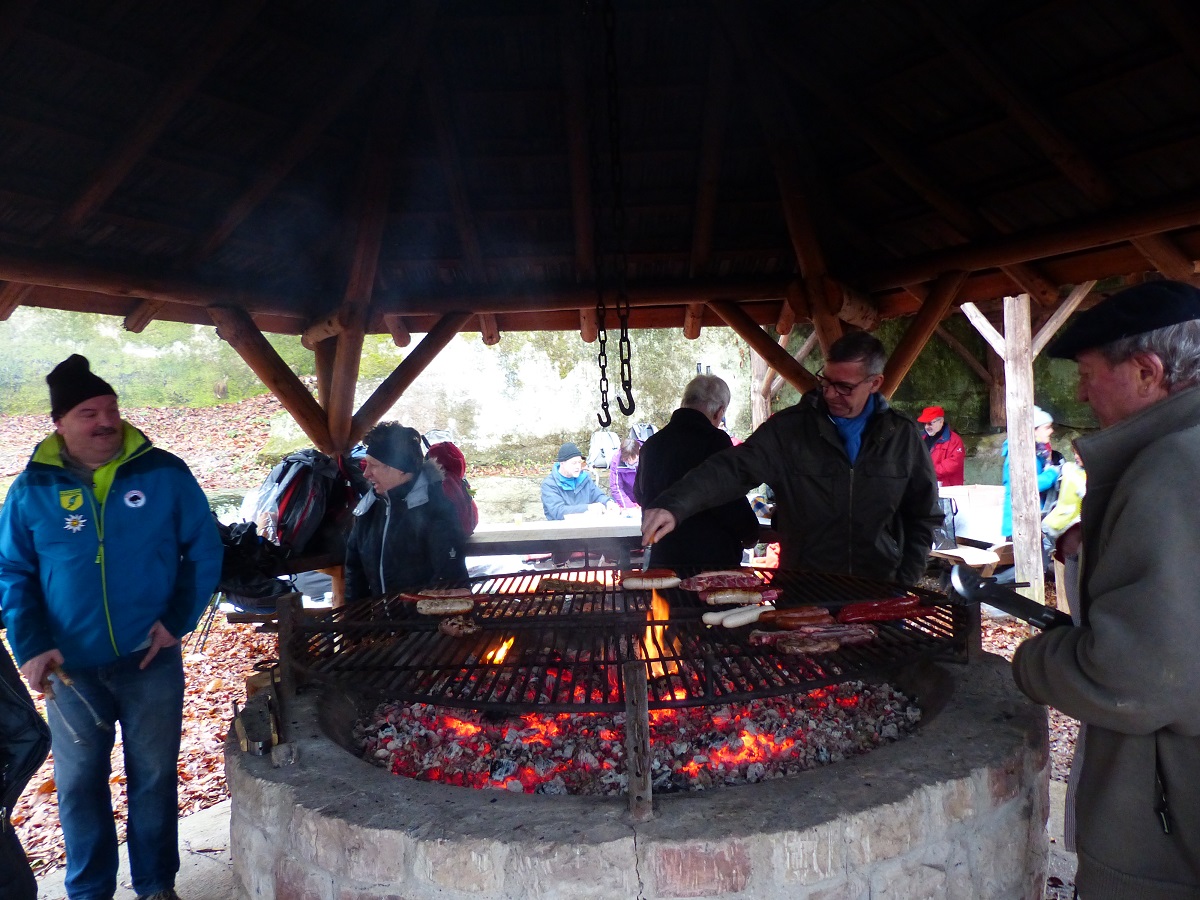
{"x": 497, "y": 654}
{"x": 660, "y": 610}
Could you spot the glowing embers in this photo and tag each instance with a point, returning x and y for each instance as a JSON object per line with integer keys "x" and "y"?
{"x": 584, "y": 753}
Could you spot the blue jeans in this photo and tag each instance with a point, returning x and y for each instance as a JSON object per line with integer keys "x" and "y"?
{"x": 149, "y": 706}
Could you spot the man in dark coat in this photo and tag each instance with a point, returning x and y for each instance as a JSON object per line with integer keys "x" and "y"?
{"x": 24, "y": 743}
{"x": 713, "y": 538}
{"x": 855, "y": 489}
{"x": 406, "y": 532}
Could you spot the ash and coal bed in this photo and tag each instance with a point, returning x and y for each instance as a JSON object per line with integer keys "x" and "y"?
{"x": 692, "y": 748}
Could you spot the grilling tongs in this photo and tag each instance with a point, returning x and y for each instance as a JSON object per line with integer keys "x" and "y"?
{"x": 975, "y": 589}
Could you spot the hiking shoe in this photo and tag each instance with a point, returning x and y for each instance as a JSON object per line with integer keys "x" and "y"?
{"x": 168, "y": 894}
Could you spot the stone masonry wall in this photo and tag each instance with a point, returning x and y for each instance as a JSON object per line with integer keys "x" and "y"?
{"x": 957, "y": 811}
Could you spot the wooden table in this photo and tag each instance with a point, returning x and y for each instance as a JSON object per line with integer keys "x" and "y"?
{"x": 613, "y": 536}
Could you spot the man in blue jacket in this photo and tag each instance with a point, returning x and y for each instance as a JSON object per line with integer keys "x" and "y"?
{"x": 108, "y": 556}
{"x": 569, "y": 489}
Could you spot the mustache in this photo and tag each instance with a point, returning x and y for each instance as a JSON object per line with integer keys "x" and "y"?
{"x": 103, "y": 431}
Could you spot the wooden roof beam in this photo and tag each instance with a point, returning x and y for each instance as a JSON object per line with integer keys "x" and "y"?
{"x": 235, "y": 326}
{"x": 1110, "y": 227}
{"x": 225, "y": 30}
{"x": 393, "y": 387}
{"x": 1060, "y": 316}
{"x": 772, "y": 388}
{"x": 975, "y": 59}
{"x": 64, "y": 273}
{"x": 712, "y": 142}
{"x": 782, "y": 146}
{"x": 12, "y": 295}
{"x": 968, "y": 222}
{"x": 762, "y": 344}
{"x": 965, "y": 355}
{"x": 920, "y": 329}
{"x": 578, "y": 151}
{"x": 970, "y": 53}
{"x": 407, "y": 38}
{"x": 438, "y": 100}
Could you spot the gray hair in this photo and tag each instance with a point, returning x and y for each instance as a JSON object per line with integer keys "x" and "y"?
{"x": 1177, "y": 346}
{"x": 858, "y": 346}
{"x": 707, "y": 393}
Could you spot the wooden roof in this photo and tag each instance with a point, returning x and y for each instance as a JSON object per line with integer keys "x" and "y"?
{"x": 314, "y": 166}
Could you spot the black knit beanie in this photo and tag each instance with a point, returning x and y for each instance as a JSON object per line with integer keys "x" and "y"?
{"x": 72, "y": 382}
{"x": 395, "y": 445}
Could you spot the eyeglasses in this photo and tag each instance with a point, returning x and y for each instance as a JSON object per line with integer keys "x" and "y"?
{"x": 841, "y": 388}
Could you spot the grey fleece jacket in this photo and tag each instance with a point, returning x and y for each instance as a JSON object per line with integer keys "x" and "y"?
{"x": 874, "y": 519}
{"x": 1131, "y": 669}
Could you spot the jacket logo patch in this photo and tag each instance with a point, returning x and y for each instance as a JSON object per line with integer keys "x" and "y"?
{"x": 135, "y": 499}
{"x": 71, "y": 500}
{"x": 75, "y": 523}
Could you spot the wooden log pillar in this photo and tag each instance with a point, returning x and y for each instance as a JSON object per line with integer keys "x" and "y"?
{"x": 996, "y": 389}
{"x": 1022, "y": 469}
{"x": 760, "y": 403}
{"x": 637, "y": 741}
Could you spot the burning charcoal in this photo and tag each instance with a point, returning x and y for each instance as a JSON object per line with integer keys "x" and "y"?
{"x": 555, "y": 787}
{"x": 502, "y": 769}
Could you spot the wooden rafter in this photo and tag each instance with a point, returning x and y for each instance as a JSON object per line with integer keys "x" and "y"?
{"x": 782, "y": 146}
{"x": 776, "y": 383}
{"x": 578, "y": 153}
{"x": 235, "y": 326}
{"x": 440, "y": 111}
{"x": 967, "y": 222}
{"x": 393, "y": 387}
{"x": 1069, "y": 158}
{"x": 398, "y": 330}
{"x": 12, "y": 295}
{"x": 693, "y": 320}
{"x": 712, "y": 141}
{"x": 919, "y": 330}
{"x": 489, "y": 330}
{"x": 406, "y": 38}
{"x": 762, "y": 344}
{"x": 225, "y": 30}
{"x": 143, "y": 315}
{"x": 1060, "y": 316}
{"x": 589, "y": 325}
{"x": 964, "y": 354}
{"x": 1113, "y": 226}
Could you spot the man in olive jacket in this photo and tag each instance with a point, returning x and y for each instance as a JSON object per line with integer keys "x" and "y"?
{"x": 855, "y": 490}
{"x": 1129, "y": 671}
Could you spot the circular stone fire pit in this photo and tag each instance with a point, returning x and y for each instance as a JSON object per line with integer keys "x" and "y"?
{"x": 957, "y": 810}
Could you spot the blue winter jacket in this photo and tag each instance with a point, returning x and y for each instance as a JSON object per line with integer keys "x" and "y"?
{"x": 89, "y": 569}
{"x": 1046, "y": 476}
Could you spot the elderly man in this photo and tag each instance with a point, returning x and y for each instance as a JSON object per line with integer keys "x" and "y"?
{"x": 945, "y": 447}
{"x": 406, "y": 532}
{"x": 714, "y": 537}
{"x": 108, "y": 555}
{"x": 1129, "y": 670}
{"x": 855, "y": 490}
{"x": 568, "y": 489}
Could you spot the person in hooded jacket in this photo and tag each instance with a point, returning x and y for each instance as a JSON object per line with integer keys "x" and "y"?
{"x": 406, "y": 532}
{"x": 1048, "y": 469}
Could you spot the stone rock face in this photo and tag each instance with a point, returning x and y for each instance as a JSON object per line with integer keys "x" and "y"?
{"x": 956, "y": 811}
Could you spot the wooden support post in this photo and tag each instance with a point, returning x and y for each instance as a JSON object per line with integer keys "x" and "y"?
{"x": 637, "y": 741}
{"x": 589, "y": 325}
{"x": 489, "y": 330}
{"x": 288, "y": 610}
{"x": 339, "y": 409}
{"x": 394, "y": 386}
{"x": 693, "y": 319}
{"x": 824, "y": 301}
{"x": 919, "y": 330}
{"x": 235, "y": 326}
{"x": 996, "y": 392}
{"x": 324, "y": 354}
{"x": 778, "y": 358}
{"x": 398, "y": 330}
{"x": 1022, "y": 472}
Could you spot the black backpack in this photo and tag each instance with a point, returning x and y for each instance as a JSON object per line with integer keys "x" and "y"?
{"x": 292, "y": 500}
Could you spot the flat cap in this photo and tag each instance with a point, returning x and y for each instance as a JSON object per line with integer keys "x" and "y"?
{"x": 1135, "y": 310}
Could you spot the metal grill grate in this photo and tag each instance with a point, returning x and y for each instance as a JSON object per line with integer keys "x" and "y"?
{"x": 571, "y": 632}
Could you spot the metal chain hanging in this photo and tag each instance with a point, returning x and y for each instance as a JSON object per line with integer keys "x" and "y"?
{"x": 604, "y": 417}
{"x": 620, "y": 225}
